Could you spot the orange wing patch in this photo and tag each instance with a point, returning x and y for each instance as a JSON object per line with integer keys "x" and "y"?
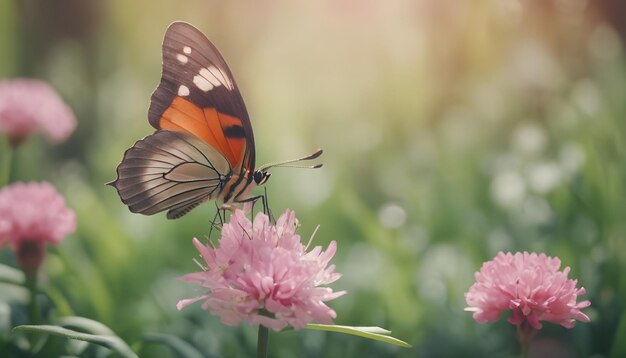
{"x": 209, "y": 125}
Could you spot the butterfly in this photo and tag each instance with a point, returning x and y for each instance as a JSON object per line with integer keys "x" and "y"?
{"x": 203, "y": 146}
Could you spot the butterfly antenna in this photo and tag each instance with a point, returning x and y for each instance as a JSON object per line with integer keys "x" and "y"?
{"x": 284, "y": 164}
{"x": 298, "y": 166}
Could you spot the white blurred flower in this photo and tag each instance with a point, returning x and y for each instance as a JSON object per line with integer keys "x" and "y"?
{"x": 586, "y": 97}
{"x": 533, "y": 67}
{"x": 529, "y": 138}
{"x": 392, "y": 215}
{"x": 508, "y": 189}
{"x": 535, "y": 211}
{"x": 604, "y": 43}
{"x": 544, "y": 177}
{"x": 571, "y": 158}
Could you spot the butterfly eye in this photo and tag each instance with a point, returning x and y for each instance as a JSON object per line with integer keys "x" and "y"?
{"x": 260, "y": 177}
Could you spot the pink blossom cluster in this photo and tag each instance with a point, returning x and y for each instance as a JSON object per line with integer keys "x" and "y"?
{"x": 34, "y": 212}
{"x": 27, "y": 106}
{"x": 263, "y": 274}
{"x": 529, "y": 285}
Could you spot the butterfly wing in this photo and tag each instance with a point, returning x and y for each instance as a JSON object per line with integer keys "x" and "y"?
{"x": 198, "y": 95}
{"x": 203, "y": 131}
{"x": 172, "y": 171}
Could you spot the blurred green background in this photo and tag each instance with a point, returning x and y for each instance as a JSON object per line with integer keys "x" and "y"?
{"x": 452, "y": 130}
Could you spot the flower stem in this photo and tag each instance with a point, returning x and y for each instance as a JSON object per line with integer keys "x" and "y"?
{"x": 262, "y": 342}
{"x": 525, "y": 333}
{"x": 5, "y": 170}
{"x": 524, "y": 353}
{"x": 31, "y": 284}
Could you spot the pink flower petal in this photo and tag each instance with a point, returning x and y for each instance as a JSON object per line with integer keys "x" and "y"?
{"x": 31, "y": 216}
{"x": 27, "y": 106}
{"x": 186, "y": 302}
{"x": 530, "y": 286}
{"x": 34, "y": 212}
{"x": 261, "y": 273}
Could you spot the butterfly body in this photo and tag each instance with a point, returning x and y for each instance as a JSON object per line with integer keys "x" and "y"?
{"x": 203, "y": 146}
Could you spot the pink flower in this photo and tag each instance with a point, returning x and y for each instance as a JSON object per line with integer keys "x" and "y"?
{"x": 30, "y": 105}
{"x": 262, "y": 273}
{"x": 32, "y": 215}
{"x": 529, "y": 285}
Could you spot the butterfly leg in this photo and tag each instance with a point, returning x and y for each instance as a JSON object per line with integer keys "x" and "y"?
{"x": 266, "y": 206}
{"x": 219, "y": 216}
{"x": 252, "y": 200}
{"x": 264, "y": 201}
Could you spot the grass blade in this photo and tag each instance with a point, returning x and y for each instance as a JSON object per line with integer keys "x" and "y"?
{"x": 111, "y": 342}
{"x": 375, "y": 333}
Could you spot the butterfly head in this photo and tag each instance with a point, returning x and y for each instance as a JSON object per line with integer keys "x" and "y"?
{"x": 260, "y": 176}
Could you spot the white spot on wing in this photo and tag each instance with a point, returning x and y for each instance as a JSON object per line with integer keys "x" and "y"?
{"x": 202, "y": 83}
{"x": 217, "y": 74}
{"x": 183, "y": 91}
{"x": 182, "y": 58}
{"x": 225, "y": 80}
{"x": 187, "y": 50}
{"x": 210, "y": 77}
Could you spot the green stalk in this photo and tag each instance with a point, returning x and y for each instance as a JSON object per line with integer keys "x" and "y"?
{"x": 524, "y": 353}
{"x": 262, "y": 342}
{"x": 525, "y": 334}
{"x": 5, "y": 169}
{"x": 31, "y": 284}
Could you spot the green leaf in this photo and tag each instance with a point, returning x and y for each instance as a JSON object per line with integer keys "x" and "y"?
{"x": 619, "y": 346}
{"x": 375, "y": 333}
{"x": 111, "y": 342}
{"x": 181, "y": 347}
{"x": 85, "y": 324}
{"x": 76, "y": 347}
{"x": 11, "y": 275}
{"x": 59, "y": 301}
